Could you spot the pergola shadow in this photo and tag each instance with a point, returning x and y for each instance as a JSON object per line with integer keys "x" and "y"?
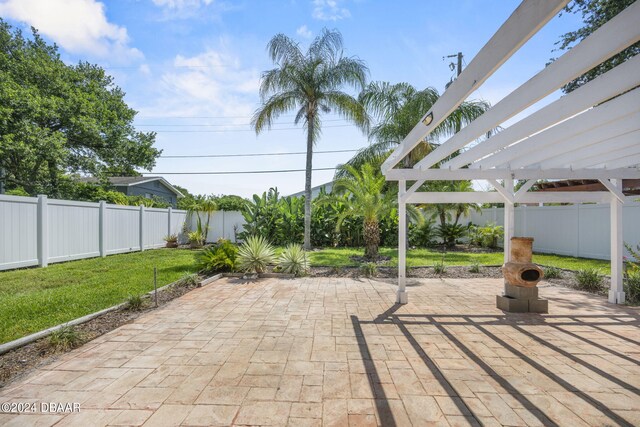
{"x": 483, "y": 324}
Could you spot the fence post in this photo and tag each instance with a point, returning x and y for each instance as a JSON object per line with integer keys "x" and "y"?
{"x": 141, "y": 228}
{"x": 43, "y": 231}
{"x": 169, "y": 212}
{"x": 102, "y": 235}
{"x": 576, "y": 253}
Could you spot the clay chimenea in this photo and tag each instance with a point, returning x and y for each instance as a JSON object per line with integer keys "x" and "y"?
{"x": 520, "y": 279}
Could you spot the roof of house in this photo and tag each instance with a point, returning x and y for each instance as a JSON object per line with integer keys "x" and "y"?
{"x": 128, "y": 181}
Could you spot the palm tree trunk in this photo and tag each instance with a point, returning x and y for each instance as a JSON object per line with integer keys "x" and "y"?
{"x": 307, "y": 184}
{"x": 371, "y": 239}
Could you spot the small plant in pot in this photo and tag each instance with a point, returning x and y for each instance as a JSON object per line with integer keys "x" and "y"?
{"x": 171, "y": 240}
{"x": 196, "y": 239}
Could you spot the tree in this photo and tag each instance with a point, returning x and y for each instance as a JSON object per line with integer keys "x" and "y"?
{"x": 595, "y": 13}
{"x": 450, "y": 212}
{"x": 312, "y": 84}
{"x": 366, "y": 198}
{"x": 397, "y": 108}
{"x": 58, "y": 119}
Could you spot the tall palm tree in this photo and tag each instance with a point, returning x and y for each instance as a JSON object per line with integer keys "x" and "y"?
{"x": 310, "y": 82}
{"x": 397, "y": 108}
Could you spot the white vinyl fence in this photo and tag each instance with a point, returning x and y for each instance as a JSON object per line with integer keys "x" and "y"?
{"x": 223, "y": 224}
{"x": 39, "y": 231}
{"x": 573, "y": 230}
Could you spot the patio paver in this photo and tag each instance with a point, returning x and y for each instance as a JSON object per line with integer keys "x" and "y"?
{"x": 319, "y": 351}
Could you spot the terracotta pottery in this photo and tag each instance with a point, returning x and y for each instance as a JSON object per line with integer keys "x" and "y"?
{"x": 520, "y": 271}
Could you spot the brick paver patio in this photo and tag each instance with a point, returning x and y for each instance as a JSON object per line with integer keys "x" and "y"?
{"x": 315, "y": 351}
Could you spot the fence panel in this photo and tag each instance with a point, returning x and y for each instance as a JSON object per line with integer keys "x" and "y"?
{"x": 156, "y": 227}
{"x": 18, "y": 232}
{"x": 73, "y": 230}
{"x": 223, "y": 224}
{"x": 122, "y": 225}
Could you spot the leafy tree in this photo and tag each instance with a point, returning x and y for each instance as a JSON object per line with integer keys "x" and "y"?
{"x": 595, "y": 13}
{"x": 397, "y": 108}
{"x": 450, "y": 212}
{"x": 311, "y": 83}
{"x": 58, "y": 119}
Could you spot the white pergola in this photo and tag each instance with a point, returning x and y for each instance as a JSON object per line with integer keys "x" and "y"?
{"x": 590, "y": 133}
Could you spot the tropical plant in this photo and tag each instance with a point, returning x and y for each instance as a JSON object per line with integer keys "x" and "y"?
{"x": 196, "y": 239}
{"x": 255, "y": 254}
{"x": 450, "y": 212}
{"x": 451, "y": 233}
{"x": 422, "y": 234}
{"x": 219, "y": 257}
{"x": 633, "y": 263}
{"x": 632, "y": 287}
{"x": 475, "y": 267}
{"x": 202, "y": 208}
{"x": 188, "y": 280}
{"x": 486, "y": 236}
{"x": 366, "y": 199}
{"x": 310, "y": 83}
{"x": 552, "y": 273}
{"x": 369, "y": 269}
{"x": 589, "y": 279}
{"x": 171, "y": 240}
{"x": 439, "y": 268}
{"x": 293, "y": 260}
{"x": 397, "y": 108}
{"x": 134, "y": 302}
{"x": 65, "y": 338}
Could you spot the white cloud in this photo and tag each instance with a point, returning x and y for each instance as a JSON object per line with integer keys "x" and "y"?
{"x": 304, "y": 32}
{"x": 329, "y": 10}
{"x": 182, "y": 4}
{"x": 78, "y": 26}
{"x": 210, "y": 83}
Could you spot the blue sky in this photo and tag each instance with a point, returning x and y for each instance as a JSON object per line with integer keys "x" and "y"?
{"x": 190, "y": 66}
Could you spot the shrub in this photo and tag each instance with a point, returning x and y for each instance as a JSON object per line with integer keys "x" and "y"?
{"x": 552, "y": 273}
{"x": 196, "y": 239}
{"x": 134, "y": 302}
{"x": 451, "y": 233}
{"x": 219, "y": 257}
{"x": 439, "y": 268}
{"x": 293, "y": 260}
{"x": 188, "y": 280}
{"x": 486, "y": 236}
{"x": 632, "y": 287}
{"x": 369, "y": 269}
{"x": 65, "y": 338}
{"x": 589, "y": 279}
{"x": 475, "y": 267}
{"x": 422, "y": 235}
{"x": 255, "y": 254}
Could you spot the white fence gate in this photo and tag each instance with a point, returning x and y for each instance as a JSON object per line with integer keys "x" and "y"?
{"x": 39, "y": 231}
{"x": 573, "y": 230}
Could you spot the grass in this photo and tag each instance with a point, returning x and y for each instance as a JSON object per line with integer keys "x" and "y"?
{"x": 38, "y": 298}
{"x": 340, "y": 257}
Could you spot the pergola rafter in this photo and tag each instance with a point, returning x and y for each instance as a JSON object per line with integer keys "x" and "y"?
{"x": 592, "y": 133}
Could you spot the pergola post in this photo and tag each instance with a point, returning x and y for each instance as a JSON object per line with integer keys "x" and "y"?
{"x": 509, "y": 220}
{"x": 401, "y": 297}
{"x": 616, "y": 292}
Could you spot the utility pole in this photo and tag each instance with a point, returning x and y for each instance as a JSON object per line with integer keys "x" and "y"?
{"x": 458, "y": 68}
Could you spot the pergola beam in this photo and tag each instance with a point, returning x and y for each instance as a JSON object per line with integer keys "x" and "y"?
{"x": 579, "y": 126}
{"x": 616, "y": 81}
{"x": 614, "y": 36}
{"x": 523, "y": 23}
{"x": 436, "y": 197}
{"x": 618, "y": 172}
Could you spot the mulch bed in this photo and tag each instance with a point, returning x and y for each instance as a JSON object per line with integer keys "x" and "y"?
{"x": 17, "y": 363}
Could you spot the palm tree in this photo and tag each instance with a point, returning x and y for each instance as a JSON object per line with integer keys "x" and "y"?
{"x": 450, "y": 211}
{"x": 366, "y": 197}
{"x": 310, "y": 83}
{"x": 397, "y": 108}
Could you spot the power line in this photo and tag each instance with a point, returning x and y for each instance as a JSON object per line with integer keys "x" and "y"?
{"x": 236, "y": 172}
{"x": 224, "y": 124}
{"x": 240, "y": 130}
{"x": 256, "y": 154}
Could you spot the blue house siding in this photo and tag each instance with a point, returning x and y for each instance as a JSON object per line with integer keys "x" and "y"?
{"x": 152, "y": 188}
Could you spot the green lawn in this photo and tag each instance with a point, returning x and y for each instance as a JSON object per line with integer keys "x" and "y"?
{"x": 38, "y": 298}
{"x": 340, "y": 257}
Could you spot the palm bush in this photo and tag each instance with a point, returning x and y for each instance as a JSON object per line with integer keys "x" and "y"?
{"x": 490, "y": 235}
{"x": 422, "y": 234}
{"x": 255, "y": 254}
{"x": 589, "y": 279}
{"x": 451, "y": 233}
{"x": 217, "y": 258}
{"x": 293, "y": 260}
{"x": 311, "y": 84}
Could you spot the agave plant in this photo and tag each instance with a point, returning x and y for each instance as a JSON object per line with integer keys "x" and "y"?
{"x": 293, "y": 260}
{"x": 255, "y": 254}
